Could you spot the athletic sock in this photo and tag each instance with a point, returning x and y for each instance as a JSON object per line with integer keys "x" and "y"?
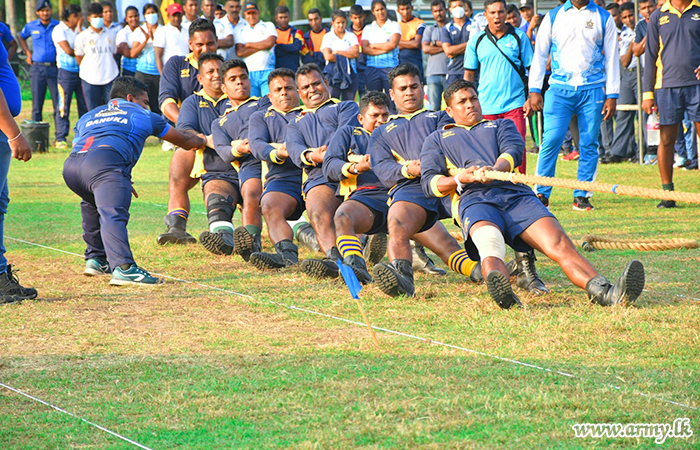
{"x": 179, "y": 212}
{"x": 349, "y": 245}
{"x": 297, "y": 225}
{"x": 667, "y": 187}
{"x": 254, "y": 230}
{"x": 459, "y": 262}
{"x": 221, "y": 225}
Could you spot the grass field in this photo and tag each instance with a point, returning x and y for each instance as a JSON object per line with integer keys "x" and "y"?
{"x": 224, "y": 356}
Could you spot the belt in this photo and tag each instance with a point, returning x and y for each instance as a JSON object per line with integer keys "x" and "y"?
{"x": 46, "y": 64}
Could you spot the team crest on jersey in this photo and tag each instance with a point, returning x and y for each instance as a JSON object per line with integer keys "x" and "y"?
{"x": 589, "y": 25}
{"x": 491, "y": 125}
{"x": 356, "y": 132}
{"x": 112, "y": 110}
{"x": 664, "y": 20}
{"x": 203, "y": 104}
{"x": 695, "y": 16}
{"x": 390, "y": 127}
{"x": 91, "y": 43}
{"x": 432, "y": 115}
{"x": 446, "y": 134}
{"x": 268, "y": 114}
{"x": 185, "y": 73}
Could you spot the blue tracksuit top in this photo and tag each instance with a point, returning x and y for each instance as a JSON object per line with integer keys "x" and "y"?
{"x": 349, "y": 140}
{"x": 315, "y": 127}
{"x": 268, "y": 127}
{"x": 399, "y": 141}
{"x": 233, "y": 126}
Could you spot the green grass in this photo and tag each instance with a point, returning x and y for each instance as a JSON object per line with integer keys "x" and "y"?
{"x": 189, "y": 367}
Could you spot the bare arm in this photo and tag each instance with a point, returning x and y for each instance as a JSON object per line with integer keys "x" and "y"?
{"x": 185, "y": 139}
{"x": 626, "y": 59}
{"x": 79, "y": 59}
{"x": 353, "y": 53}
{"x": 412, "y": 44}
{"x": 328, "y": 54}
{"x": 430, "y": 49}
{"x": 171, "y": 111}
{"x": 66, "y": 48}
{"x": 159, "y": 59}
{"x": 226, "y": 42}
{"x": 25, "y": 47}
{"x": 469, "y": 75}
{"x": 12, "y": 50}
{"x": 453, "y": 51}
{"x": 137, "y": 47}
{"x": 638, "y": 47}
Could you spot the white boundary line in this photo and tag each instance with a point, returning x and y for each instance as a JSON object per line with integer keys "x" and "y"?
{"x": 387, "y": 330}
{"x": 74, "y": 416}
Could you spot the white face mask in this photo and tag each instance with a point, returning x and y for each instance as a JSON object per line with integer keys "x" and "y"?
{"x": 97, "y": 22}
{"x": 458, "y": 12}
{"x": 151, "y": 18}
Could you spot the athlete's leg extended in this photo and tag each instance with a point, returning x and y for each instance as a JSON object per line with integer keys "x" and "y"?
{"x": 247, "y": 236}
{"x": 351, "y": 218}
{"x": 220, "y": 198}
{"x": 440, "y": 241}
{"x": 179, "y": 184}
{"x": 321, "y": 204}
{"x": 276, "y": 207}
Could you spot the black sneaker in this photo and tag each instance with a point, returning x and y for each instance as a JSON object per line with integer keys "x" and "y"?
{"x": 245, "y": 244}
{"x": 582, "y": 204}
{"x": 667, "y": 204}
{"x": 500, "y": 290}
{"x": 395, "y": 278}
{"x": 543, "y": 199}
{"x": 320, "y": 268}
{"x": 10, "y": 289}
{"x": 219, "y": 243}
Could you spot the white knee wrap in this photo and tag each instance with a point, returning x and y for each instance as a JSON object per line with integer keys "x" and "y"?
{"x": 489, "y": 241}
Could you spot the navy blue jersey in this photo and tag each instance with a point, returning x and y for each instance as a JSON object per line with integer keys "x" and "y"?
{"x": 315, "y": 127}
{"x": 348, "y": 141}
{"x": 199, "y": 110}
{"x": 399, "y": 141}
{"x": 457, "y": 146}
{"x": 121, "y": 125}
{"x": 179, "y": 80}
{"x": 233, "y": 126}
{"x": 267, "y": 128}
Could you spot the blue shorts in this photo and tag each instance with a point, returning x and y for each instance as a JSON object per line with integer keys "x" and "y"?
{"x": 673, "y": 102}
{"x": 231, "y": 178}
{"x": 377, "y": 200}
{"x": 290, "y": 188}
{"x": 318, "y": 181}
{"x": 511, "y": 210}
{"x": 413, "y": 193}
{"x": 250, "y": 169}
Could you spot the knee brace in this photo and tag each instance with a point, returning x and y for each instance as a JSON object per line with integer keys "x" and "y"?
{"x": 219, "y": 208}
{"x": 490, "y": 243}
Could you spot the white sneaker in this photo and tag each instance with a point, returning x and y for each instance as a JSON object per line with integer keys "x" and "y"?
{"x": 167, "y": 146}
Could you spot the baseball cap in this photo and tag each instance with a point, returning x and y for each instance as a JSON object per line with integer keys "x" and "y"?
{"x": 526, "y": 4}
{"x": 250, "y": 6}
{"x": 174, "y": 9}
{"x": 41, "y": 4}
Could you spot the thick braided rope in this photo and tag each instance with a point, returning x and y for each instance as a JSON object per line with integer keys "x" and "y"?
{"x": 592, "y": 242}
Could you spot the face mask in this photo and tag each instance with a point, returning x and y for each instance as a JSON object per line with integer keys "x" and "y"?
{"x": 151, "y": 18}
{"x": 97, "y": 22}
{"x": 458, "y": 12}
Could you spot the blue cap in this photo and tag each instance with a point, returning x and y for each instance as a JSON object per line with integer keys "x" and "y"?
{"x": 41, "y": 4}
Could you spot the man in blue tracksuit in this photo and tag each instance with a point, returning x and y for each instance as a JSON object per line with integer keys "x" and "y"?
{"x": 108, "y": 142}
{"x": 492, "y": 213}
{"x": 581, "y": 39}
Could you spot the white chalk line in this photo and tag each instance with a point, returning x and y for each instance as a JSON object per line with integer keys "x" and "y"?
{"x": 100, "y": 427}
{"x": 389, "y": 331}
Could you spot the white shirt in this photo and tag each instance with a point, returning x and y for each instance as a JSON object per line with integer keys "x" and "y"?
{"x": 174, "y": 42}
{"x": 61, "y": 33}
{"x": 375, "y": 34}
{"x": 231, "y": 53}
{"x": 185, "y": 24}
{"x": 335, "y": 43}
{"x": 224, "y": 29}
{"x": 124, "y": 36}
{"x": 262, "y": 59}
{"x": 625, "y": 39}
{"x": 97, "y": 49}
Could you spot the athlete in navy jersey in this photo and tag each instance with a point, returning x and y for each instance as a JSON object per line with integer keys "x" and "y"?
{"x": 108, "y": 142}
{"x": 496, "y": 212}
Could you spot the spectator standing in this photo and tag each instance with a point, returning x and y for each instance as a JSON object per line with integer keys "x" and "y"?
{"x": 68, "y": 79}
{"x": 143, "y": 50}
{"x": 95, "y": 49}
{"x": 672, "y": 85}
{"x": 191, "y": 8}
{"x": 224, "y": 30}
{"x": 43, "y": 72}
{"x": 646, "y": 7}
{"x": 606, "y": 127}
{"x": 585, "y": 81}
{"x": 380, "y": 42}
{"x": 412, "y": 29}
{"x": 455, "y": 36}
{"x": 171, "y": 39}
{"x": 527, "y": 11}
{"x": 436, "y": 72}
{"x": 255, "y": 44}
{"x": 8, "y": 41}
{"x": 340, "y": 48}
{"x": 314, "y": 38}
{"x": 233, "y": 9}
{"x": 123, "y": 39}
{"x": 110, "y": 23}
{"x": 357, "y": 26}
{"x": 514, "y": 18}
{"x": 290, "y": 41}
{"x": 500, "y": 52}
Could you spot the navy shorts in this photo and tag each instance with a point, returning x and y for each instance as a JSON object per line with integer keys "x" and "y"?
{"x": 250, "y": 169}
{"x": 291, "y": 188}
{"x": 377, "y": 200}
{"x": 413, "y": 193}
{"x": 511, "y": 210}
{"x": 310, "y": 184}
{"x": 229, "y": 176}
{"x": 673, "y": 102}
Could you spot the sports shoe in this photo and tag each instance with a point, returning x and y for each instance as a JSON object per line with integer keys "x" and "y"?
{"x": 287, "y": 255}
{"x": 528, "y": 279}
{"x": 692, "y": 166}
{"x": 627, "y": 289}
{"x": 219, "y": 243}
{"x": 422, "y": 262}
{"x": 500, "y": 290}
{"x": 10, "y": 289}
{"x": 358, "y": 265}
{"x": 133, "y": 275}
{"x": 681, "y": 162}
{"x": 374, "y": 247}
{"x": 666, "y": 204}
{"x": 176, "y": 233}
{"x": 543, "y": 199}
{"x": 245, "y": 244}
{"x": 650, "y": 160}
{"x": 96, "y": 266}
{"x": 61, "y": 144}
{"x": 572, "y": 156}
{"x": 582, "y": 204}
{"x": 395, "y": 278}
{"x": 323, "y": 268}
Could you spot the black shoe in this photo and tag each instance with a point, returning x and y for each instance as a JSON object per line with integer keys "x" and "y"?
{"x": 219, "y": 243}
{"x": 245, "y": 243}
{"x": 395, "y": 278}
{"x": 582, "y": 204}
{"x": 358, "y": 266}
{"x": 176, "y": 233}
{"x": 543, "y": 199}
{"x": 422, "y": 262}
{"x": 500, "y": 290}
{"x": 323, "y": 268}
{"x": 667, "y": 204}
{"x": 627, "y": 289}
{"x": 692, "y": 166}
{"x": 287, "y": 255}
{"x": 306, "y": 236}
{"x": 612, "y": 159}
{"x": 374, "y": 247}
{"x": 476, "y": 276}
{"x": 10, "y": 289}
{"x": 528, "y": 279}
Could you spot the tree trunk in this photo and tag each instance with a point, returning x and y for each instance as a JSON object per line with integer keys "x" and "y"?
{"x": 30, "y": 10}
{"x": 84, "y": 6}
{"x": 61, "y": 5}
{"x": 11, "y": 16}
{"x": 297, "y": 13}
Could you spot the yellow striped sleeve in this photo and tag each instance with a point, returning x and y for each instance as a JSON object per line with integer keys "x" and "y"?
{"x": 434, "y": 186}
{"x": 404, "y": 172}
{"x": 346, "y": 170}
{"x": 167, "y": 101}
{"x": 510, "y": 160}
{"x": 304, "y": 158}
{"x": 276, "y": 159}
{"x": 648, "y": 96}
{"x": 235, "y": 144}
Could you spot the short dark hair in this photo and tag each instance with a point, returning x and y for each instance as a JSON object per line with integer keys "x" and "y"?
{"x": 469, "y": 4}
{"x": 209, "y": 56}
{"x": 627, "y": 6}
{"x": 511, "y": 8}
{"x": 438, "y": 3}
{"x": 106, "y": 3}
{"x": 123, "y": 86}
{"x": 404, "y": 3}
{"x": 338, "y": 13}
{"x": 488, "y": 3}
{"x": 281, "y": 9}
{"x": 358, "y": 11}
{"x": 375, "y": 98}
{"x": 231, "y": 64}
{"x": 69, "y": 11}
{"x": 131, "y": 8}
{"x": 306, "y": 69}
{"x": 313, "y": 11}
{"x": 375, "y": 2}
{"x": 401, "y": 70}
{"x": 612, "y": 6}
{"x": 148, "y": 6}
{"x": 199, "y": 25}
{"x": 456, "y": 86}
{"x": 94, "y": 8}
{"x": 282, "y": 72}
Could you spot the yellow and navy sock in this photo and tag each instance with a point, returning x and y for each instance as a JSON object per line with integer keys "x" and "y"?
{"x": 349, "y": 245}
{"x": 459, "y": 262}
{"x": 179, "y": 212}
